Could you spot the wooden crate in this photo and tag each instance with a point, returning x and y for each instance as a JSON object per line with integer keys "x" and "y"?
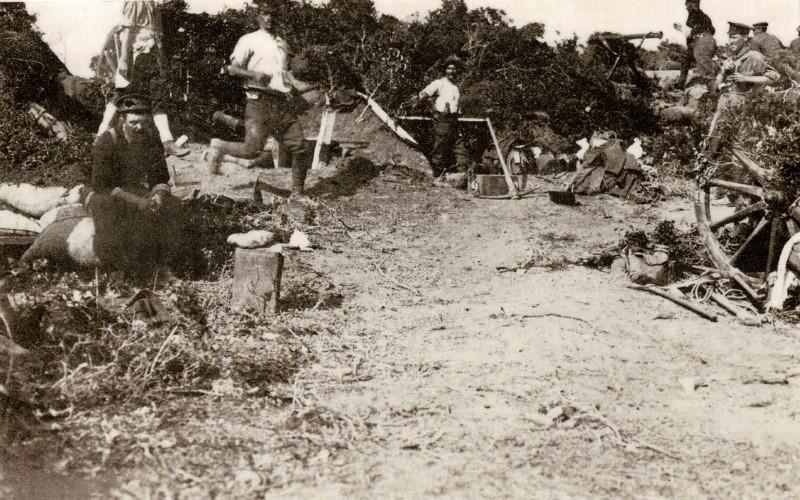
{"x": 256, "y": 280}
{"x": 495, "y": 185}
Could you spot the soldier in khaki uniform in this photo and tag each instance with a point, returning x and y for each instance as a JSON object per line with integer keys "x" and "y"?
{"x": 767, "y": 43}
{"x": 794, "y": 47}
{"x": 746, "y": 71}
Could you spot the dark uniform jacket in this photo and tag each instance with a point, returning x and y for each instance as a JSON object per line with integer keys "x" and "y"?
{"x": 136, "y": 168}
{"x": 699, "y": 23}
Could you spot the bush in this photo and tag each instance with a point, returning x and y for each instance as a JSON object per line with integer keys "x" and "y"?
{"x": 509, "y": 72}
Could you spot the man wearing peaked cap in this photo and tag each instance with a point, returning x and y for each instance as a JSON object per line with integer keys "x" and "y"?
{"x": 739, "y": 28}
{"x": 744, "y": 72}
{"x": 129, "y": 156}
{"x": 767, "y": 43}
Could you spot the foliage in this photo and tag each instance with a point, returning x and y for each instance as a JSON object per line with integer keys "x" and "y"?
{"x": 29, "y": 71}
{"x": 508, "y": 72}
{"x": 26, "y": 154}
{"x": 766, "y": 127}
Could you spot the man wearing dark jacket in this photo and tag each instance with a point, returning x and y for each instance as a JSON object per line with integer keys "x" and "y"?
{"x": 700, "y": 44}
{"x": 137, "y": 223}
{"x": 130, "y": 156}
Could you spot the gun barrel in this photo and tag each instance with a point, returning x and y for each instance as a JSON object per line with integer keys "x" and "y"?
{"x": 635, "y": 36}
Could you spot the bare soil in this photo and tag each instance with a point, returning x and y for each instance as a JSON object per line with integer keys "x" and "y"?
{"x": 431, "y": 373}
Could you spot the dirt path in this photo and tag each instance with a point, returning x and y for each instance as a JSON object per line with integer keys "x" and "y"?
{"x": 458, "y": 361}
{"x": 429, "y": 373}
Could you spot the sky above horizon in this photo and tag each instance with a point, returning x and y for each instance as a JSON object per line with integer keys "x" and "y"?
{"x": 76, "y": 29}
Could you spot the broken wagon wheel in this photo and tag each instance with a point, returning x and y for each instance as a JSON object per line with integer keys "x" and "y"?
{"x": 762, "y": 226}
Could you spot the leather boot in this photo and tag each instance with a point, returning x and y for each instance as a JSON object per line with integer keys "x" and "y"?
{"x": 213, "y": 157}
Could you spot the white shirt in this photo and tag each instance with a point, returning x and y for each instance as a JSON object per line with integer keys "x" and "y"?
{"x": 447, "y": 95}
{"x": 260, "y": 51}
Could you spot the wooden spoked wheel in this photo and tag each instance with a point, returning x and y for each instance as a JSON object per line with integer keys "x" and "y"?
{"x": 744, "y": 245}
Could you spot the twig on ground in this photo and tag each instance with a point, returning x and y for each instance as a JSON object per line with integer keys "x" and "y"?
{"x": 556, "y": 315}
{"x": 622, "y": 442}
{"x": 336, "y": 216}
{"x": 152, "y": 367}
{"x": 651, "y": 447}
{"x": 394, "y": 281}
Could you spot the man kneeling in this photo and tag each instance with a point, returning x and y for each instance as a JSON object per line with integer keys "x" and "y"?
{"x": 129, "y": 220}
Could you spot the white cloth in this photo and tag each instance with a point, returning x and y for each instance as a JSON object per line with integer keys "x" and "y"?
{"x": 261, "y": 52}
{"x": 446, "y": 93}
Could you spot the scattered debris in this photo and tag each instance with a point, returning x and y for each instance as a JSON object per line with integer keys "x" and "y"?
{"x": 777, "y": 380}
{"x": 300, "y": 241}
{"x": 691, "y": 384}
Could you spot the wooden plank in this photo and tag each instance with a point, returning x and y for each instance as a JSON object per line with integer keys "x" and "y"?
{"x": 428, "y": 118}
{"x": 385, "y": 118}
{"x": 512, "y": 189}
{"x": 323, "y": 126}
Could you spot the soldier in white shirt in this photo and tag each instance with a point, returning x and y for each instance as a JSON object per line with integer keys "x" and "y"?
{"x": 261, "y": 60}
{"x": 445, "y": 116}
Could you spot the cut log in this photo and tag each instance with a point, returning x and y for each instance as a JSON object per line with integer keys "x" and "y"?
{"x": 256, "y": 280}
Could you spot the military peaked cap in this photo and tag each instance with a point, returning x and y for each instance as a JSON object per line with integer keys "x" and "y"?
{"x": 738, "y": 28}
{"x": 133, "y": 103}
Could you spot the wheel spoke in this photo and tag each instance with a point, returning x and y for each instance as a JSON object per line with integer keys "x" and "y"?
{"x": 735, "y": 186}
{"x": 792, "y": 227}
{"x": 737, "y": 216}
{"x": 748, "y": 164}
{"x": 760, "y": 227}
{"x": 794, "y": 263}
{"x": 774, "y": 234}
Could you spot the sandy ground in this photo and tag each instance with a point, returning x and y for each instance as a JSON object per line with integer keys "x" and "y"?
{"x": 437, "y": 370}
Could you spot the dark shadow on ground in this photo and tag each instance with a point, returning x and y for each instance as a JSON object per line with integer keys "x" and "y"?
{"x": 355, "y": 174}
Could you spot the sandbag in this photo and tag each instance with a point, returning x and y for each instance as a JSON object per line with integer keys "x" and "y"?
{"x": 66, "y": 241}
{"x": 62, "y": 212}
{"x": 648, "y": 266}
{"x": 14, "y": 223}
{"x": 34, "y": 200}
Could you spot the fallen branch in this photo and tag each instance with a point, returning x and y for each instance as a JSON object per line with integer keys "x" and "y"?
{"x": 678, "y": 300}
{"x": 743, "y": 316}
